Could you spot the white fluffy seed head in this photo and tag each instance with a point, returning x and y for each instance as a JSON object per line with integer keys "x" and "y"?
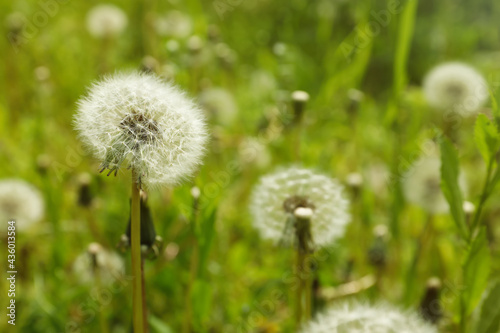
{"x": 220, "y": 105}
{"x": 456, "y": 87}
{"x": 140, "y": 121}
{"x": 106, "y": 20}
{"x": 21, "y": 202}
{"x": 357, "y": 317}
{"x": 97, "y": 262}
{"x": 300, "y": 96}
{"x": 422, "y": 185}
{"x": 278, "y": 195}
{"x": 174, "y": 24}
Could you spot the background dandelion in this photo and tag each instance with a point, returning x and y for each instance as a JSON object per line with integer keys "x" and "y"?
{"x": 354, "y": 317}
{"x": 277, "y": 195}
{"x": 456, "y": 87}
{"x": 106, "y": 20}
{"x": 21, "y": 202}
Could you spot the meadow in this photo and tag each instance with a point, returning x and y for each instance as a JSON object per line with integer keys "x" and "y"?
{"x": 387, "y": 109}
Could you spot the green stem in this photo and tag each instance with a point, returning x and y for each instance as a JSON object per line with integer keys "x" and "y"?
{"x": 484, "y": 196}
{"x": 300, "y": 287}
{"x": 193, "y": 270}
{"x": 304, "y": 291}
{"x": 412, "y": 272}
{"x": 144, "y": 305}
{"x": 135, "y": 235}
{"x": 308, "y": 289}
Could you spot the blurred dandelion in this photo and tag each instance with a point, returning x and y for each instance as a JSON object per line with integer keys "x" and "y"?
{"x": 98, "y": 263}
{"x": 455, "y": 86}
{"x": 298, "y": 206}
{"x": 21, "y": 202}
{"x": 174, "y": 24}
{"x": 422, "y": 185}
{"x": 278, "y": 195}
{"x": 252, "y": 151}
{"x": 357, "y": 317}
{"x": 105, "y": 20}
{"x": 220, "y": 105}
{"x": 148, "y": 123}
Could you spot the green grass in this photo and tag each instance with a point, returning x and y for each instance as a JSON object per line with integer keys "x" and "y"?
{"x": 237, "y": 272}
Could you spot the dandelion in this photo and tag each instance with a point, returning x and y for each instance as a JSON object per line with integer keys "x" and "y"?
{"x": 220, "y": 104}
{"x": 278, "y": 195}
{"x": 299, "y": 100}
{"x": 300, "y": 206}
{"x": 455, "y": 86}
{"x": 21, "y": 202}
{"x": 105, "y": 20}
{"x": 98, "y": 263}
{"x": 358, "y": 317}
{"x": 422, "y": 185}
{"x": 150, "y": 126}
{"x": 174, "y": 24}
{"x": 252, "y": 151}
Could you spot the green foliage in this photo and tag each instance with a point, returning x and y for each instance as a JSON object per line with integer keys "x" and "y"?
{"x": 488, "y": 320}
{"x": 218, "y": 265}
{"x": 476, "y": 271}
{"x": 487, "y": 138}
{"x": 449, "y": 184}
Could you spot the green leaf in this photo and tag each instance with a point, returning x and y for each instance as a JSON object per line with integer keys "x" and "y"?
{"x": 486, "y": 137}
{"x": 449, "y": 185}
{"x": 205, "y": 237}
{"x": 201, "y": 300}
{"x": 476, "y": 271}
{"x": 158, "y": 326}
{"x": 489, "y": 317}
{"x": 405, "y": 34}
{"x": 403, "y": 44}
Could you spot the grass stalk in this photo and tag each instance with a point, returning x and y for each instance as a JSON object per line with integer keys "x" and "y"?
{"x": 135, "y": 235}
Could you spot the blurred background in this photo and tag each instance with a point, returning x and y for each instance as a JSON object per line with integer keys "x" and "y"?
{"x": 362, "y": 64}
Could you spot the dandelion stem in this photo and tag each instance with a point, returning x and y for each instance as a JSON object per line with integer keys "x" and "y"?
{"x": 135, "y": 235}
{"x": 144, "y": 305}
{"x": 300, "y": 287}
{"x": 304, "y": 291}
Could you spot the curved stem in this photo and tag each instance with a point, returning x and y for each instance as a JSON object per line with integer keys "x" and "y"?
{"x": 135, "y": 236}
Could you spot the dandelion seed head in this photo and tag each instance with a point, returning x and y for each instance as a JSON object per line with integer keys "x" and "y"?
{"x": 300, "y": 96}
{"x": 280, "y": 194}
{"x": 252, "y": 151}
{"x": 99, "y": 262}
{"x": 468, "y": 207}
{"x": 138, "y": 120}
{"x": 174, "y": 24}
{"x": 422, "y": 185}
{"x": 220, "y": 105}
{"x": 21, "y": 202}
{"x": 106, "y": 20}
{"x": 357, "y": 317}
{"x": 457, "y": 87}
{"x": 354, "y": 179}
